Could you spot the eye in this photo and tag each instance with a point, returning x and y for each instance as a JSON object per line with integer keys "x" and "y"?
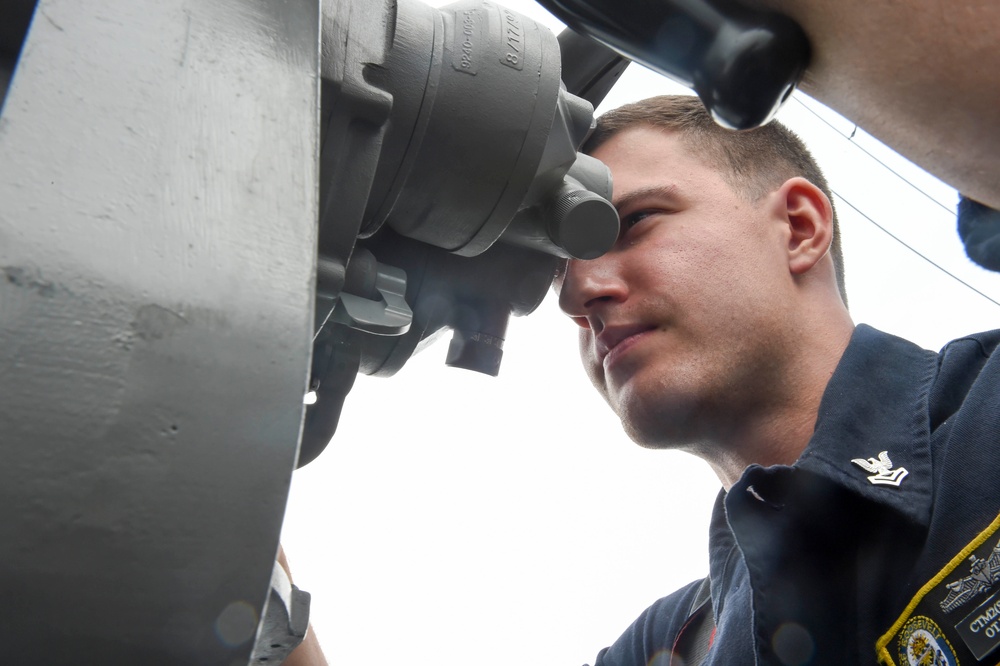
{"x": 632, "y": 219}
{"x": 629, "y": 220}
{"x": 635, "y": 219}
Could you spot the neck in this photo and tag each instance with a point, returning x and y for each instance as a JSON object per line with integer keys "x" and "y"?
{"x": 777, "y": 432}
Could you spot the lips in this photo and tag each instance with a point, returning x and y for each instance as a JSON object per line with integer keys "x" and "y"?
{"x": 613, "y": 340}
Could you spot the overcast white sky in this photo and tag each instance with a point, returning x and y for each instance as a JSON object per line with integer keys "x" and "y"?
{"x": 457, "y": 518}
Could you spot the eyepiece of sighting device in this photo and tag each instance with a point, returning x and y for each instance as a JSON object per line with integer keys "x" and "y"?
{"x": 583, "y": 223}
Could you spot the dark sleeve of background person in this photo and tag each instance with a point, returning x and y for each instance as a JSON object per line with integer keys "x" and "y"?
{"x": 979, "y": 229}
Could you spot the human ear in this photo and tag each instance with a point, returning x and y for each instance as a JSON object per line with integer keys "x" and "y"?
{"x": 809, "y": 215}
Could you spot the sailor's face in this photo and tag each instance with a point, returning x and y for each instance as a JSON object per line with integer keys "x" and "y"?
{"x": 674, "y": 320}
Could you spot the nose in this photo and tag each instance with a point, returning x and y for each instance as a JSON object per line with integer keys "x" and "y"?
{"x": 589, "y": 286}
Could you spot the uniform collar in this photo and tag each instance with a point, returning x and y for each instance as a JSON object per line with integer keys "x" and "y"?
{"x": 877, "y": 401}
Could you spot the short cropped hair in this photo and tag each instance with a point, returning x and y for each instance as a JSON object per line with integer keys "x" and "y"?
{"x": 753, "y": 162}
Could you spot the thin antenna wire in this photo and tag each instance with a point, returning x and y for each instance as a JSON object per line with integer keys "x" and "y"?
{"x": 862, "y": 149}
{"x": 914, "y": 251}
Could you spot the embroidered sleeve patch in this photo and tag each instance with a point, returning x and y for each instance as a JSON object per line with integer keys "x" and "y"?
{"x": 956, "y": 614}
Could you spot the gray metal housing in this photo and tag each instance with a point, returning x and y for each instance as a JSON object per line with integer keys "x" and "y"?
{"x": 158, "y": 206}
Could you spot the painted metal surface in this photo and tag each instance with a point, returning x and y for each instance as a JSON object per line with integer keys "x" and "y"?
{"x": 158, "y": 211}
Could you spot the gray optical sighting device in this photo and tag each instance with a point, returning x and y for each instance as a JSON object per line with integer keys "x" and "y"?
{"x": 210, "y": 209}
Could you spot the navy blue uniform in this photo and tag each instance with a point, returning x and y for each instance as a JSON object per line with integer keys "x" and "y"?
{"x": 880, "y": 544}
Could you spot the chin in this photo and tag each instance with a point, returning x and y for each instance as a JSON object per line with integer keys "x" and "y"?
{"x": 671, "y": 426}
{"x": 667, "y": 406}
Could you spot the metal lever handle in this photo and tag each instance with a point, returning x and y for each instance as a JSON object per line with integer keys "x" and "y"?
{"x": 374, "y": 297}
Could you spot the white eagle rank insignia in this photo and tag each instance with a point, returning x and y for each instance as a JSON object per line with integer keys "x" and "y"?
{"x": 882, "y": 473}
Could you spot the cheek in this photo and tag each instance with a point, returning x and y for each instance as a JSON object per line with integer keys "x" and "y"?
{"x": 682, "y": 256}
{"x": 726, "y": 270}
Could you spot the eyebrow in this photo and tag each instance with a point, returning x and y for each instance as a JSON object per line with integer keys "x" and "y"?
{"x": 651, "y": 192}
